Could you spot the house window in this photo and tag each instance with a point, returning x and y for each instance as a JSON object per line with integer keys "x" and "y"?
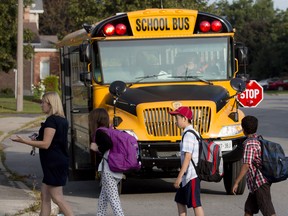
{"x": 44, "y": 68}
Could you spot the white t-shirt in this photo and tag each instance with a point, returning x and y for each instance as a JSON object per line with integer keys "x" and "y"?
{"x": 189, "y": 144}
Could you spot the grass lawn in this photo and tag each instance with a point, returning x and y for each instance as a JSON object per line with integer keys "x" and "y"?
{"x": 9, "y": 105}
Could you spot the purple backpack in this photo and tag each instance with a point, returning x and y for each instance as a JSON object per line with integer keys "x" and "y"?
{"x": 123, "y": 156}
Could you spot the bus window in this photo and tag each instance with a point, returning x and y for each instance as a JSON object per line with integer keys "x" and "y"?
{"x": 97, "y": 72}
{"x": 123, "y": 59}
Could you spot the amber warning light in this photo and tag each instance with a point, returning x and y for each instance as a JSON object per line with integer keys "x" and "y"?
{"x": 215, "y": 26}
{"x": 119, "y": 29}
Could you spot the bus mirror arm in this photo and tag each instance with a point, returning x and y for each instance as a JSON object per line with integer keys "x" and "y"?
{"x": 116, "y": 119}
{"x": 233, "y": 115}
{"x": 116, "y": 89}
{"x": 238, "y": 85}
{"x": 126, "y": 103}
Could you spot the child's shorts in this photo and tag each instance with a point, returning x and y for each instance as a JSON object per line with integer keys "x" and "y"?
{"x": 260, "y": 200}
{"x": 189, "y": 195}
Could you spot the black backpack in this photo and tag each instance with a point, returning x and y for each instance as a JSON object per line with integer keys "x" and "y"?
{"x": 274, "y": 162}
{"x": 210, "y": 161}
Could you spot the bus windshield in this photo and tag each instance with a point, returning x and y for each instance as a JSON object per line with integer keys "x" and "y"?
{"x": 163, "y": 60}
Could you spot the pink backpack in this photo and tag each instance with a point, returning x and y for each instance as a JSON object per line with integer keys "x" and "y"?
{"x": 123, "y": 156}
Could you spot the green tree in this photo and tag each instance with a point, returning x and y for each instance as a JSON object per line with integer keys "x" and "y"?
{"x": 8, "y": 34}
{"x": 280, "y": 60}
{"x": 260, "y": 28}
{"x": 57, "y": 21}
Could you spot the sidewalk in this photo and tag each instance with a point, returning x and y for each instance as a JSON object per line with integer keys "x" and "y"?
{"x": 16, "y": 196}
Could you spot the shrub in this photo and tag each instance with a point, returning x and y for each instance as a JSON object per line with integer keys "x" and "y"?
{"x": 7, "y": 92}
{"x": 52, "y": 84}
{"x": 38, "y": 90}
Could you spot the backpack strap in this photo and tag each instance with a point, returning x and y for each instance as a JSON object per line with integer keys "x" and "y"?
{"x": 195, "y": 134}
{"x": 258, "y": 138}
{"x": 199, "y": 140}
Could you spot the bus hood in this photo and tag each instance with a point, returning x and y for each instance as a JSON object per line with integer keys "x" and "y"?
{"x": 134, "y": 96}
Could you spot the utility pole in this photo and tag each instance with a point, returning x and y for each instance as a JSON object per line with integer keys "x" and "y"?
{"x": 20, "y": 57}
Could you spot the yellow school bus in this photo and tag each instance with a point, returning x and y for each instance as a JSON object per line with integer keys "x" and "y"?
{"x": 139, "y": 66}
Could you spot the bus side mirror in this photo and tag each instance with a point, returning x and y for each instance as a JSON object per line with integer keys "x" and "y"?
{"x": 238, "y": 85}
{"x": 117, "y": 88}
{"x": 85, "y": 52}
{"x": 241, "y": 53}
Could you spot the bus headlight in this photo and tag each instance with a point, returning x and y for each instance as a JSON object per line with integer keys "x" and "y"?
{"x": 230, "y": 130}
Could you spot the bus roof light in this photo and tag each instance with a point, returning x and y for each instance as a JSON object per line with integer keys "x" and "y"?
{"x": 121, "y": 29}
{"x": 216, "y": 26}
{"x": 109, "y": 30}
{"x": 205, "y": 26}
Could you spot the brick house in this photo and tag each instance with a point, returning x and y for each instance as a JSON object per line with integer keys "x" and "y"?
{"x": 45, "y": 61}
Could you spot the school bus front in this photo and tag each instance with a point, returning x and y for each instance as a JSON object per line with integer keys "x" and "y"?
{"x": 152, "y": 62}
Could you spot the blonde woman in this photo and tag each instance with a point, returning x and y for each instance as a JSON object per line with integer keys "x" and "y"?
{"x": 53, "y": 150}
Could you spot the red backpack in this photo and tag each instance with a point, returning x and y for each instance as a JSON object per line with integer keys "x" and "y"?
{"x": 210, "y": 161}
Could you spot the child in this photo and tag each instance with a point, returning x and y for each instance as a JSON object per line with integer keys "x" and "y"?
{"x": 187, "y": 183}
{"x": 109, "y": 191}
{"x": 259, "y": 197}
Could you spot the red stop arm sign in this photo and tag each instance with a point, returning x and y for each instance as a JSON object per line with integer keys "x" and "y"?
{"x": 252, "y": 96}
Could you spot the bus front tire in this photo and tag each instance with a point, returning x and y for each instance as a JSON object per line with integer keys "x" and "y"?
{"x": 231, "y": 171}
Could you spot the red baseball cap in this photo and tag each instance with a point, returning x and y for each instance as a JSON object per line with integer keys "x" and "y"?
{"x": 184, "y": 111}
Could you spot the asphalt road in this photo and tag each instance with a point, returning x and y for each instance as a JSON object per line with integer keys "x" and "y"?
{"x": 154, "y": 197}
{"x": 142, "y": 197}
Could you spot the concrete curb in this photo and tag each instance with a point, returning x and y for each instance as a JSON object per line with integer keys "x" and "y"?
{"x": 24, "y": 126}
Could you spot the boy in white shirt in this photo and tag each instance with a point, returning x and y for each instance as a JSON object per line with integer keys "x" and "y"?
{"x": 187, "y": 183}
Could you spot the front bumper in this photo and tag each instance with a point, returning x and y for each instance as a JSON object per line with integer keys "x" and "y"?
{"x": 237, "y": 152}
{"x": 162, "y": 155}
{"x": 166, "y": 155}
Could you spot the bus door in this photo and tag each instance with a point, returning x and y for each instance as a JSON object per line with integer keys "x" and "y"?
{"x": 76, "y": 102}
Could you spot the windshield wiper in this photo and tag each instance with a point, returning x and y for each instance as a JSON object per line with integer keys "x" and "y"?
{"x": 193, "y": 77}
{"x": 147, "y": 77}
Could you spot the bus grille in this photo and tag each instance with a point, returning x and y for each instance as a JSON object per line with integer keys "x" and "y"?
{"x": 159, "y": 122}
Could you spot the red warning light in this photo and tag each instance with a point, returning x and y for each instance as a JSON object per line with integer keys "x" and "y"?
{"x": 120, "y": 29}
{"x": 216, "y": 26}
{"x": 205, "y": 26}
{"x": 109, "y": 29}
